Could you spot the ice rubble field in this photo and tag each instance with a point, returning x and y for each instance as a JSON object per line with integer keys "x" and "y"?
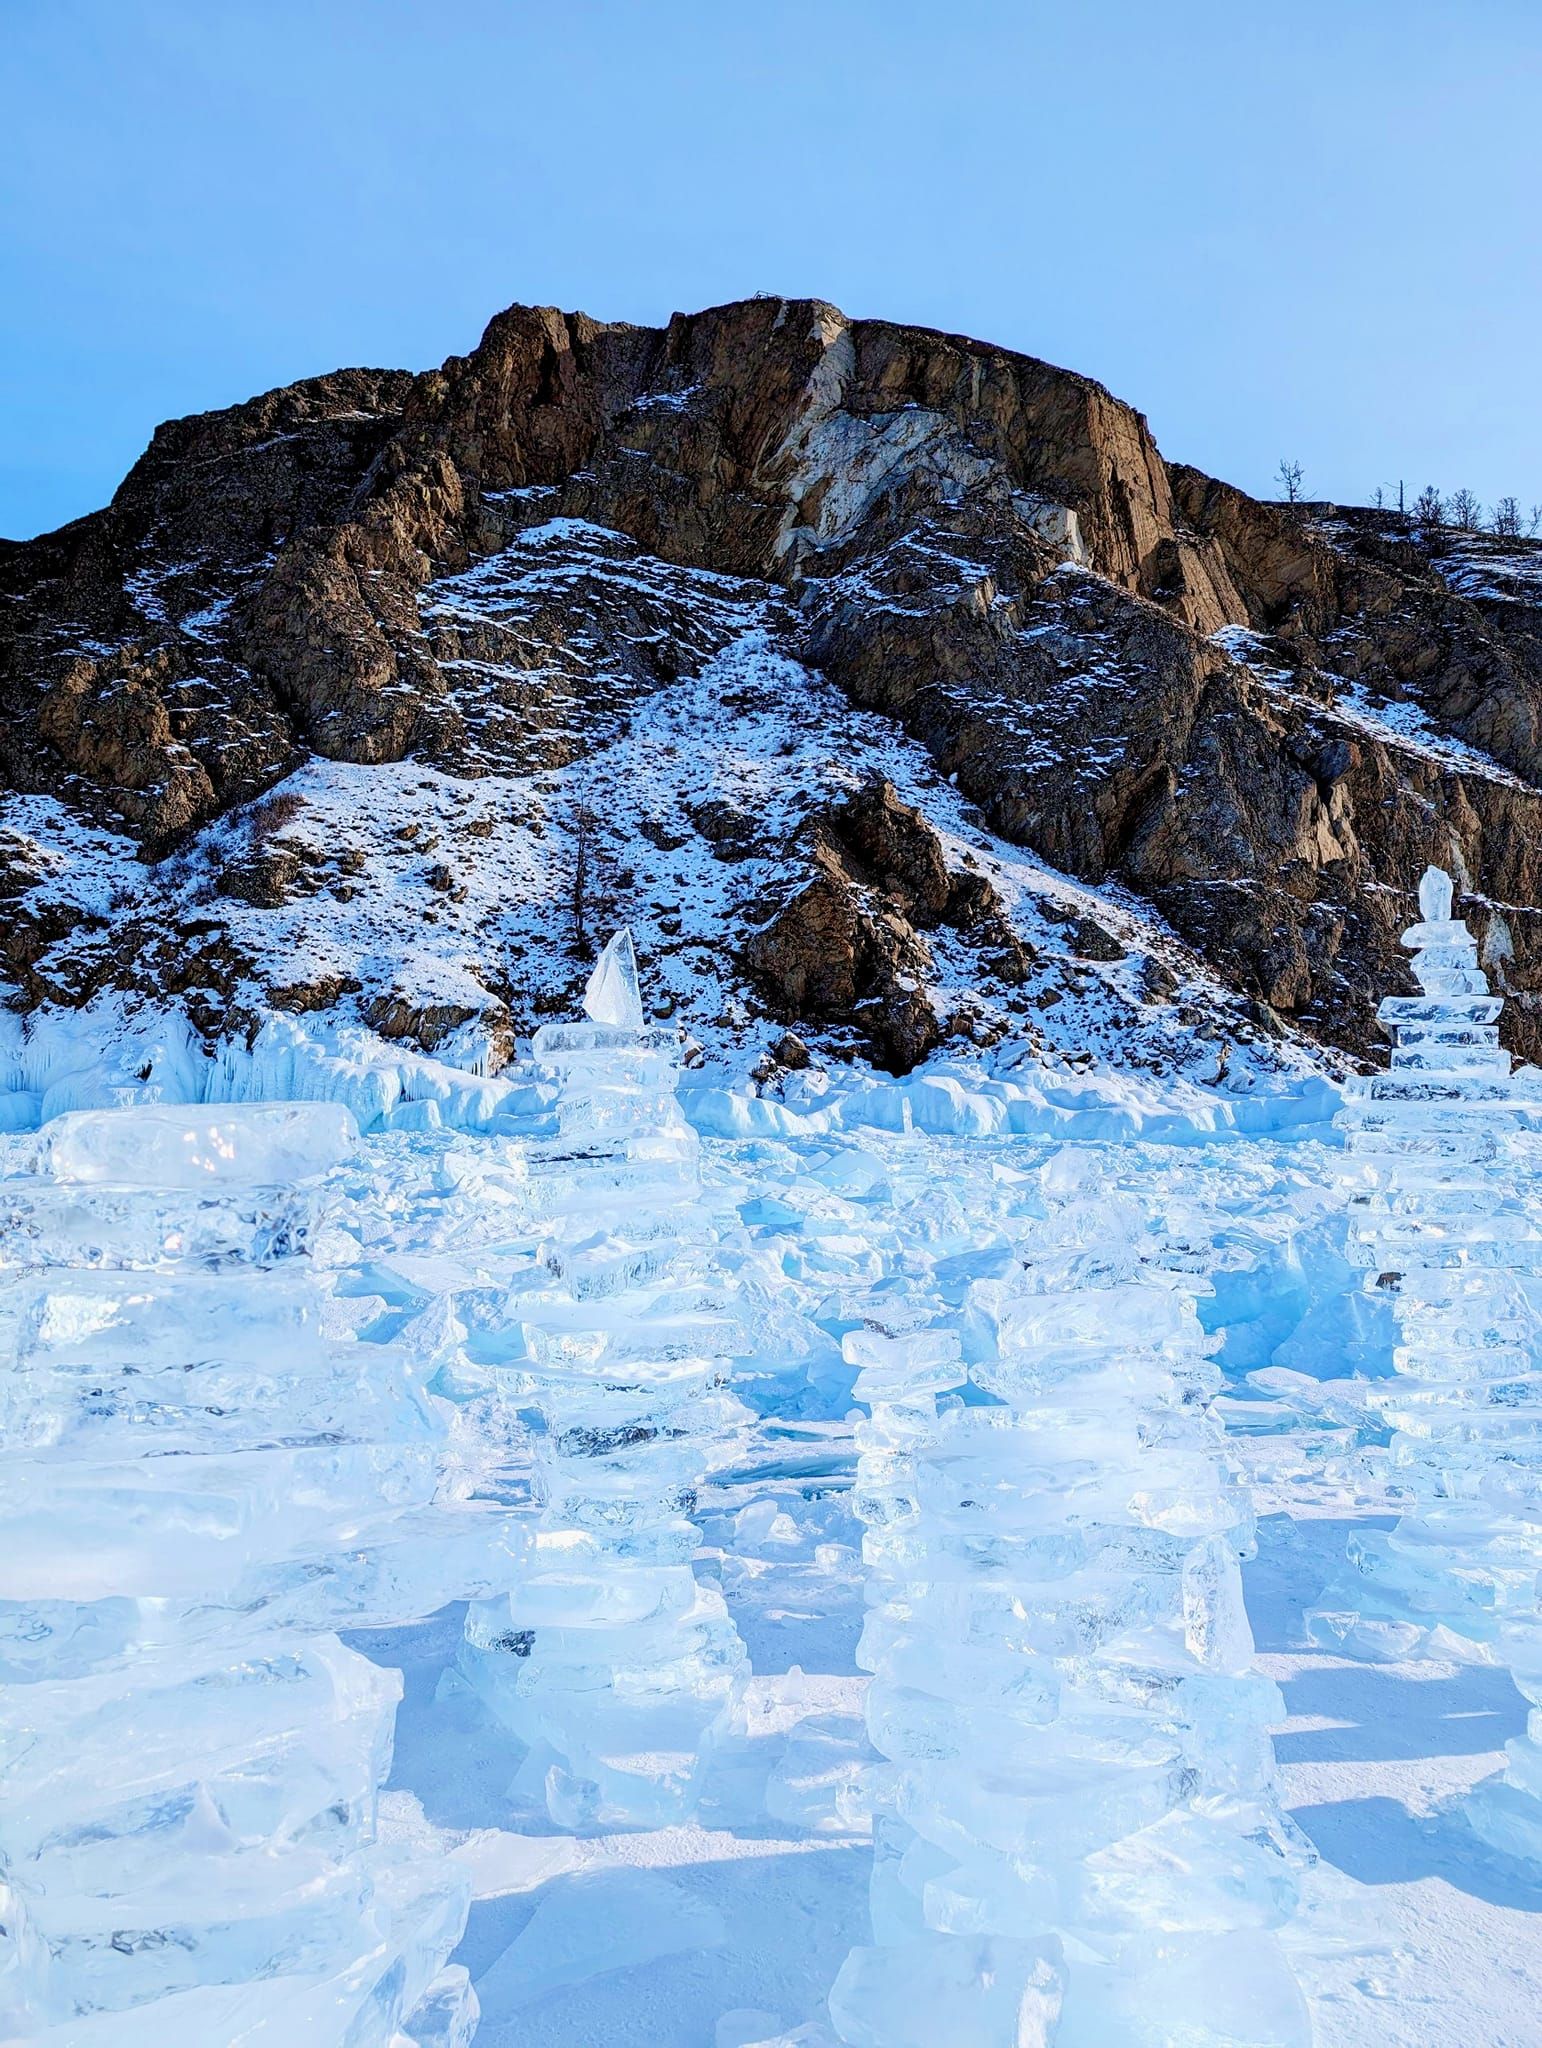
{"x": 608, "y": 1433}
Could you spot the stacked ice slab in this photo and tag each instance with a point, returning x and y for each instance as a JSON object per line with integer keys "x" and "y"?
{"x": 198, "y": 1483}
{"x": 1435, "y": 1223}
{"x": 610, "y": 1660}
{"x": 1077, "y": 1841}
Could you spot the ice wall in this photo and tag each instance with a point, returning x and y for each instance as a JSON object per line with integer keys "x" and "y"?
{"x": 199, "y": 1485}
{"x": 1077, "y": 1839}
{"x": 610, "y": 1659}
{"x": 1440, "y": 1228}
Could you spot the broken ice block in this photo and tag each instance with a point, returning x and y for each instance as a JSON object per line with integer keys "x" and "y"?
{"x": 179, "y": 1145}
{"x": 198, "y": 1482}
{"x": 1435, "y": 895}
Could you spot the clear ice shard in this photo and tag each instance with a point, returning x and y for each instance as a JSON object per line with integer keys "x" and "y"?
{"x": 1438, "y": 1227}
{"x": 1436, "y": 896}
{"x": 199, "y": 1485}
{"x": 610, "y": 1660}
{"x": 613, "y": 994}
{"x": 1077, "y": 1836}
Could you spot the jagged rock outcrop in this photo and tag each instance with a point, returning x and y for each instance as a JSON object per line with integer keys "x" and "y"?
{"x": 1265, "y": 720}
{"x": 846, "y": 947}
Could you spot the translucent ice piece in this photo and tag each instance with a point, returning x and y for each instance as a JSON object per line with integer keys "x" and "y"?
{"x": 100, "y": 1320}
{"x": 45, "y": 1223}
{"x": 79, "y": 1529}
{"x": 285, "y": 1740}
{"x": 1435, "y": 896}
{"x": 176, "y": 1145}
{"x": 613, "y": 995}
{"x": 988, "y": 1993}
{"x": 448, "y": 2013}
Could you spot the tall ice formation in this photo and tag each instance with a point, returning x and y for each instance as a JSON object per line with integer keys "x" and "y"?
{"x": 198, "y": 1485}
{"x": 610, "y": 1659}
{"x": 1437, "y": 1227}
{"x": 1077, "y": 1839}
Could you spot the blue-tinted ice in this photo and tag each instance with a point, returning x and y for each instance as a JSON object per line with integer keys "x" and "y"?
{"x": 610, "y": 1660}
{"x": 199, "y": 1486}
{"x": 1077, "y": 1837}
{"x": 1439, "y": 1228}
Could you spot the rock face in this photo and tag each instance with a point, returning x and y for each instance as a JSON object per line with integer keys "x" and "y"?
{"x": 847, "y": 946}
{"x": 1266, "y": 721}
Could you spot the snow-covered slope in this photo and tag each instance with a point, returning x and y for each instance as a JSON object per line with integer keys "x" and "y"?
{"x": 445, "y": 907}
{"x": 314, "y": 717}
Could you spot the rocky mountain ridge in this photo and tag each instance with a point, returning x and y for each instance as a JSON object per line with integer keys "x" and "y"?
{"x": 893, "y": 685}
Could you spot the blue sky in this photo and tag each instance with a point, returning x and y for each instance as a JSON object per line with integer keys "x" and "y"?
{"x": 1307, "y": 229}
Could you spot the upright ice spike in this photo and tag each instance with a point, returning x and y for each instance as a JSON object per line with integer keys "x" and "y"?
{"x": 613, "y": 994}
{"x": 611, "y": 1660}
{"x": 1437, "y": 1226}
{"x": 1078, "y": 1842}
{"x": 1435, "y": 896}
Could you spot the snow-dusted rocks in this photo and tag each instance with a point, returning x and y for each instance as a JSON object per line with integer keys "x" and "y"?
{"x": 610, "y": 1660}
{"x": 1077, "y": 1840}
{"x": 1437, "y": 1227}
{"x": 199, "y": 1484}
{"x": 164, "y": 657}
